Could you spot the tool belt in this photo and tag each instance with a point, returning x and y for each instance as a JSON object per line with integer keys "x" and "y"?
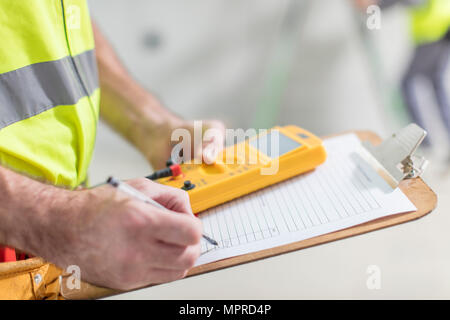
{"x": 30, "y": 279}
{"x": 37, "y": 279}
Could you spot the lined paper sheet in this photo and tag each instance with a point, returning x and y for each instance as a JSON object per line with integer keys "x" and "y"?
{"x": 343, "y": 192}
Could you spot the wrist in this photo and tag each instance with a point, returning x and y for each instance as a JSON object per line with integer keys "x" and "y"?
{"x": 41, "y": 223}
{"x": 59, "y": 224}
{"x": 154, "y": 122}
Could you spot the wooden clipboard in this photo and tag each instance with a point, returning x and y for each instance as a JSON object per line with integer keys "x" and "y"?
{"x": 415, "y": 189}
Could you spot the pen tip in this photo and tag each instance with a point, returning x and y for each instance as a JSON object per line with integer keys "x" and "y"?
{"x": 210, "y": 240}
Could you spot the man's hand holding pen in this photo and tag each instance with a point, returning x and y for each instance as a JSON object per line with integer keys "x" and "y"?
{"x": 123, "y": 243}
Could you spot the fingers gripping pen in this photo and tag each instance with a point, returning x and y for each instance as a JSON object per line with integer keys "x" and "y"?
{"x": 126, "y": 188}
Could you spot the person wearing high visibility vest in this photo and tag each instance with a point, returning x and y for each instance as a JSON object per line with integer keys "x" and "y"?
{"x": 58, "y": 74}
{"x": 430, "y": 30}
{"x": 430, "y": 25}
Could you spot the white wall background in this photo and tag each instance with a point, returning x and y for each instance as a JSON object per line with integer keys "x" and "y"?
{"x": 210, "y": 59}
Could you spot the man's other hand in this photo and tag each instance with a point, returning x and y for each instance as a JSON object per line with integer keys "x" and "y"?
{"x": 155, "y": 140}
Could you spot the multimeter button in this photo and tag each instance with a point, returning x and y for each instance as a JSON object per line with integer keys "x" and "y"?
{"x": 302, "y": 135}
{"x": 213, "y": 169}
{"x": 188, "y": 185}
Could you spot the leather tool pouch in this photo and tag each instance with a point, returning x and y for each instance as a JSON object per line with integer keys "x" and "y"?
{"x": 36, "y": 279}
{"x": 30, "y": 279}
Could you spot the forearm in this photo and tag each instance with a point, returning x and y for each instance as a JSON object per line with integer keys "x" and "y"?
{"x": 125, "y": 105}
{"x": 116, "y": 241}
{"x": 29, "y": 212}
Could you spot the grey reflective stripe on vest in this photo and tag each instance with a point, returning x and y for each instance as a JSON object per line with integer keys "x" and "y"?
{"x": 33, "y": 89}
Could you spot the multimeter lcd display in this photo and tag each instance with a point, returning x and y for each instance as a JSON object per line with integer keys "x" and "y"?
{"x": 264, "y": 144}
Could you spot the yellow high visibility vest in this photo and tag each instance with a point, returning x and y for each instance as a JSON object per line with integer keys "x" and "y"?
{"x": 49, "y": 94}
{"x": 430, "y": 21}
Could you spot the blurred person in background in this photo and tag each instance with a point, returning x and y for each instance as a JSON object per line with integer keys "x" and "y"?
{"x": 430, "y": 30}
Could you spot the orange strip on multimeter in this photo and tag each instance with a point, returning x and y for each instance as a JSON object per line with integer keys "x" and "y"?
{"x": 299, "y": 151}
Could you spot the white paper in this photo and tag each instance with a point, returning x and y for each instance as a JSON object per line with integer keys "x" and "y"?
{"x": 343, "y": 192}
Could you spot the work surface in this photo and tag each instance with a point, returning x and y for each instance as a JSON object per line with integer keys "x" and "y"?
{"x": 409, "y": 259}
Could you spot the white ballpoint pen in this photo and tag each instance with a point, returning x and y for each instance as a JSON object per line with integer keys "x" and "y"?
{"x": 126, "y": 188}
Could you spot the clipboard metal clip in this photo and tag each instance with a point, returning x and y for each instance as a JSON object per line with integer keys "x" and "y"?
{"x": 396, "y": 158}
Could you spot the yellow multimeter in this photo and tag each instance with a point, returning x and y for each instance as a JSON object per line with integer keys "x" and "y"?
{"x": 265, "y": 159}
